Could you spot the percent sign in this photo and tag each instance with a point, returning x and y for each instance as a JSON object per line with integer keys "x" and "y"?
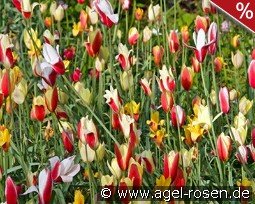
{"x": 244, "y": 9}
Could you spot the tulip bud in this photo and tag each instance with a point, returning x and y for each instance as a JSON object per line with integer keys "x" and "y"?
{"x": 251, "y": 74}
{"x": 47, "y": 22}
{"x": 178, "y": 116}
{"x": 85, "y": 94}
{"x": 135, "y": 173}
{"x": 76, "y": 75}
{"x": 43, "y": 7}
{"x": 133, "y": 36}
{"x": 94, "y": 43}
{"x": 242, "y": 154}
{"x": 218, "y": 64}
{"x": 145, "y": 86}
{"x": 19, "y": 92}
{"x": 185, "y": 34}
{"x": 158, "y": 52}
{"x": 138, "y": 14}
{"x": 235, "y": 42}
{"x": 224, "y": 100}
{"x": 167, "y": 101}
{"x": 84, "y": 19}
{"x": 5, "y": 83}
{"x": 67, "y": 136}
{"x": 146, "y": 159}
{"x": 206, "y": 6}
{"x": 173, "y": 41}
{"x": 233, "y": 95}
{"x": 237, "y": 59}
{"x": 51, "y": 98}
{"x": 223, "y": 147}
{"x": 123, "y": 154}
{"x": 253, "y": 137}
{"x": 195, "y": 64}
{"x": 245, "y": 105}
{"x": 69, "y": 53}
{"x": 126, "y": 80}
{"x": 201, "y": 23}
{"x": 154, "y": 12}
{"x": 59, "y": 13}
{"x": 114, "y": 168}
{"x": 170, "y": 165}
{"x": 186, "y": 78}
{"x": 48, "y": 37}
{"x": 147, "y": 33}
{"x": 93, "y": 16}
{"x": 11, "y": 193}
{"x": 38, "y": 111}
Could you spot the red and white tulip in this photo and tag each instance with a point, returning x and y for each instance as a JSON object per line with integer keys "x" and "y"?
{"x": 113, "y": 99}
{"x": 166, "y": 81}
{"x": 63, "y": 171}
{"x": 223, "y": 147}
{"x": 94, "y": 43}
{"x": 173, "y": 41}
{"x": 6, "y": 56}
{"x": 123, "y": 154}
{"x": 224, "y": 100}
{"x": 171, "y": 163}
{"x": 178, "y": 116}
{"x": 25, "y": 7}
{"x": 105, "y": 12}
{"x": 124, "y": 57}
{"x": 11, "y": 191}
{"x": 251, "y": 74}
{"x": 145, "y": 84}
{"x": 213, "y": 36}
{"x": 133, "y": 36}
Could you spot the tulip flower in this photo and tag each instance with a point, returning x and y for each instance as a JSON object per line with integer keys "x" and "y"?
{"x": 5, "y": 83}
{"x": 69, "y": 53}
{"x": 85, "y": 94}
{"x": 123, "y": 154}
{"x": 48, "y": 37}
{"x": 251, "y": 74}
{"x": 67, "y": 136}
{"x": 206, "y": 6}
{"x": 87, "y": 132}
{"x": 113, "y": 99}
{"x": 93, "y": 16}
{"x": 84, "y": 18}
{"x": 201, "y": 23}
{"x": 147, "y": 33}
{"x": 185, "y": 34}
{"x": 245, "y": 105}
{"x": 224, "y": 100}
{"x": 105, "y": 12}
{"x": 38, "y": 111}
{"x": 44, "y": 188}
{"x": 195, "y": 64}
{"x": 213, "y": 36}
{"x": 126, "y": 80}
{"x": 52, "y": 59}
{"x": 135, "y": 173}
{"x": 59, "y": 13}
{"x": 154, "y": 12}
{"x": 125, "y": 123}
{"x": 218, "y": 64}
{"x": 253, "y": 137}
{"x": 167, "y": 101}
{"x": 173, "y": 41}
{"x": 171, "y": 163}
{"x": 6, "y": 56}
{"x": 158, "y": 52}
{"x": 5, "y": 138}
{"x": 65, "y": 170}
{"x": 223, "y": 147}
{"x": 178, "y": 116}
{"x": 25, "y": 7}
{"x": 114, "y": 168}
{"x": 11, "y": 191}
{"x": 201, "y": 45}
{"x": 146, "y": 159}
{"x": 47, "y": 22}
{"x": 133, "y": 36}
{"x": 186, "y": 78}
{"x": 242, "y": 154}
{"x": 179, "y": 181}
{"x": 237, "y": 59}
{"x": 78, "y": 197}
{"x": 76, "y": 75}
{"x": 110, "y": 183}
{"x": 51, "y": 98}
{"x": 124, "y": 57}
{"x": 145, "y": 85}
{"x": 235, "y": 41}
{"x": 94, "y": 43}
{"x": 138, "y": 14}
{"x": 166, "y": 81}
{"x": 133, "y": 109}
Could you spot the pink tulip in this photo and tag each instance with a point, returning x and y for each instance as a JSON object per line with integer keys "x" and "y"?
{"x": 251, "y": 74}
{"x": 105, "y": 12}
{"x": 224, "y": 100}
